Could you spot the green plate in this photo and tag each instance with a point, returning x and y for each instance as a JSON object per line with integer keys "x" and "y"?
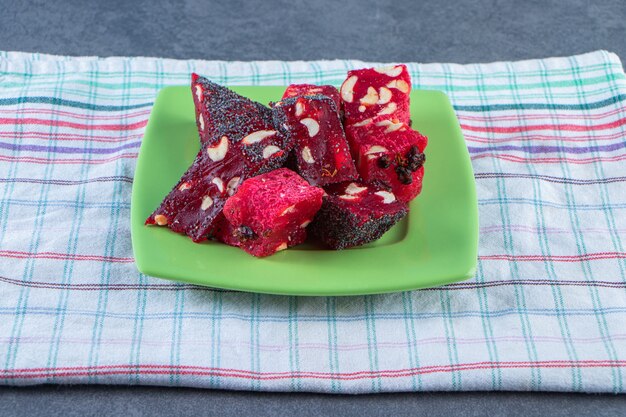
{"x": 434, "y": 245}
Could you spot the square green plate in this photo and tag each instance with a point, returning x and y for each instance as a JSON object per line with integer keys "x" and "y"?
{"x": 434, "y": 245}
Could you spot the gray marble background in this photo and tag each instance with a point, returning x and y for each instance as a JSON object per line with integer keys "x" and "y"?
{"x": 375, "y": 30}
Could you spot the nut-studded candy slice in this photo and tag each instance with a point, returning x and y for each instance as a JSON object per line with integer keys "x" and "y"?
{"x": 355, "y": 213}
{"x": 256, "y": 138}
{"x": 320, "y": 146}
{"x": 239, "y": 141}
{"x": 298, "y": 90}
{"x": 207, "y": 97}
{"x": 270, "y": 212}
{"x": 205, "y": 192}
{"x": 220, "y": 110}
{"x": 198, "y": 198}
{"x": 391, "y": 153}
{"x": 376, "y": 93}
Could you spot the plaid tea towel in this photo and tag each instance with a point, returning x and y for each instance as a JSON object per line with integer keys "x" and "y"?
{"x": 546, "y": 310}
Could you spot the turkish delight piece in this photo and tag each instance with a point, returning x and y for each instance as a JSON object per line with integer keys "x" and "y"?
{"x": 238, "y": 142}
{"x": 199, "y": 196}
{"x": 208, "y": 97}
{"x": 376, "y": 93}
{"x": 320, "y": 146}
{"x": 250, "y": 130}
{"x": 270, "y": 212}
{"x": 220, "y": 111}
{"x": 298, "y": 90}
{"x": 389, "y": 152}
{"x": 355, "y": 213}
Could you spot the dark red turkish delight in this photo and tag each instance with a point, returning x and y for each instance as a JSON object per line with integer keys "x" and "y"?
{"x": 242, "y": 143}
{"x": 198, "y": 198}
{"x": 299, "y": 90}
{"x": 270, "y": 212}
{"x": 249, "y": 128}
{"x": 220, "y": 110}
{"x": 355, "y": 213}
{"x": 207, "y": 97}
{"x": 320, "y": 146}
{"x": 376, "y": 93}
{"x": 391, "y": 153}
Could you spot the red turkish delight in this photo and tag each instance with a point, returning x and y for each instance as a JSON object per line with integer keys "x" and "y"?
{"x": 219, "y": 110}
{"x": 354, "y": 213}
{"x": 299, "y": 90}
{"x": 253, "y": 135}
{"x": 270, "y": 212}
{"x": 198, "y": 198}
{"x": 391, "y": 153}
{"x": 376, "y": 93}
{"x": 243, "y": 143}
{"x": 320, "y": 146}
